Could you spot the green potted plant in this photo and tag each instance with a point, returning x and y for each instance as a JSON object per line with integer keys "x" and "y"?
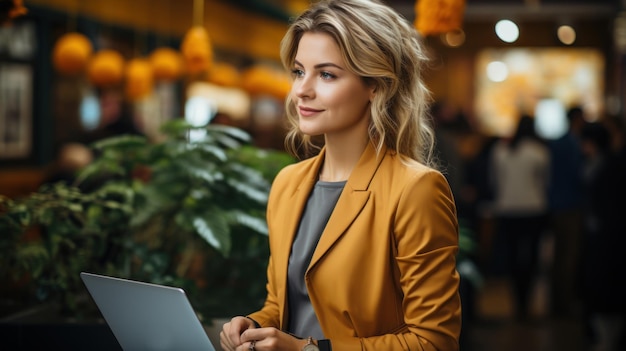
{"x": 177, "y": 212}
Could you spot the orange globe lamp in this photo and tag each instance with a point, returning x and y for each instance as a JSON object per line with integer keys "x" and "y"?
{"x": 256, "y": 80}
{"x": 106, "y": 68}
{"x": 71, "y": 53}
{"x": 167, "y": 64}
{"x": 282, "y": 86}
{"x": 262, "y": 80}
{"x": 224, "y": 74}
{"x": 196, "y": 50}
{"x": 438, "y": 16}
{"x": 139, "y": 79}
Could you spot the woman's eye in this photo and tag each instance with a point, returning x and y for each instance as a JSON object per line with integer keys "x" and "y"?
{"x": 327, "y": 75}
{"x": 297, "y": 72}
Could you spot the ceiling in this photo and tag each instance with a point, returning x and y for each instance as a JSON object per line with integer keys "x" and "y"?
{"x": 475, "y": 9}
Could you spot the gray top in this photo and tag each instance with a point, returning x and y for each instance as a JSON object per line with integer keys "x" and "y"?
{"x": 302, "y": 319}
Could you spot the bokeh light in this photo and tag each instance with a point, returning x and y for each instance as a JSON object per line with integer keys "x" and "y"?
{"x": 566, "y": 34}
{"x": 507, "y": 31}
{"x": 497, "y": 71}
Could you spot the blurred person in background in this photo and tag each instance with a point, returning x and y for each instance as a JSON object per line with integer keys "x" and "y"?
{"x": 520, "y": 169}
{"x": 604, "y": 263}
{"x": 71, "y": 158}
{"x": 565, "y": 195}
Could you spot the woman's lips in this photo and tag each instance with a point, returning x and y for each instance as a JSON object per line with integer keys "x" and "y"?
{"x": 307, "y": 111}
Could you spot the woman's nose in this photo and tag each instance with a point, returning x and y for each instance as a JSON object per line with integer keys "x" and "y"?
{"x": 304, "y": 87}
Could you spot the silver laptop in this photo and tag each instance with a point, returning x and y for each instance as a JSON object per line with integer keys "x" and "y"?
{"x": 145, "y": 316}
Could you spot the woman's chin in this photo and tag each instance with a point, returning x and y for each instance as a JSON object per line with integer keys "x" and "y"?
{"x": 310, "y": 131}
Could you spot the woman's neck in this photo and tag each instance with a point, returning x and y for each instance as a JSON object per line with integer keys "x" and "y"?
{"x": 341, "y": 158}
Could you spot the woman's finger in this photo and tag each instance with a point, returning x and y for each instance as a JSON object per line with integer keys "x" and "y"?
{"x": 225, "y": 342}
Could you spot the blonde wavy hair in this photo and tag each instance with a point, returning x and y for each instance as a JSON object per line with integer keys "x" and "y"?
{"x": 383, "y": 48}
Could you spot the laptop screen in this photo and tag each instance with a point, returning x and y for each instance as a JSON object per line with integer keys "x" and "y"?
{"x": 145, "y": 316}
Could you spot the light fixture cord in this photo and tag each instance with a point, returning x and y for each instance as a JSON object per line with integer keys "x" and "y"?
{"x": 198, "y": 12}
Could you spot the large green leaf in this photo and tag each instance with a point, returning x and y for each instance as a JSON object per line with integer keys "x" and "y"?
{"x": 122, "y": 142}
{"x": 209, "y": 150}
{"x": 176, "y": 128}
{"x": 99, "y": 168}
{"x": 205, "y": 173}
{"x": 151, "y": 201}
{"x": 214, "y": 229}
{"x": 255, "y": 223}
{"x": 249, "y": 190}
{"x": 232, "y": 132}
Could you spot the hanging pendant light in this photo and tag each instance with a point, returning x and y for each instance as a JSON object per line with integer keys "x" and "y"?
{"x": 10, "y": 10}
{"x": 196, "y": 50}
{"x": 106, "y": 68}
{"x": 438, "y": 16}
{"x": 264, "y": 80}
{"x": 196, "y": 46}
{"x": 166, "y": 64}
{"x": 139, "y": 79}
{"x": 224, "y": 74}
{"x": 71, "y": 53}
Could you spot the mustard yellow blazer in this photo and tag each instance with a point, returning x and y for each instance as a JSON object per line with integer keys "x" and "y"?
{"x": 383, "y": 276}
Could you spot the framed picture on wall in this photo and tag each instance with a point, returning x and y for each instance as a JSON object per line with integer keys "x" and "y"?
{"x": 16, "y": 95}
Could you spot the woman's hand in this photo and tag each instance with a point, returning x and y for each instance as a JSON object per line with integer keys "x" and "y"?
{"x": 230, "y": 336}
{"x": 269, "y": 339}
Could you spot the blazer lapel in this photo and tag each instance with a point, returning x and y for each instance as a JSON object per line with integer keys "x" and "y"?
{"x": 295, "y": 207}
{"x": 352, "y": 200}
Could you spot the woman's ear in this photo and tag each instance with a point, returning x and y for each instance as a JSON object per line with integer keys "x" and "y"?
{"x": 372, "y": 92}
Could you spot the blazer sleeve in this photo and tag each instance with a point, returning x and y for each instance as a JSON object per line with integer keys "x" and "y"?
{"x": 426, "y": 234}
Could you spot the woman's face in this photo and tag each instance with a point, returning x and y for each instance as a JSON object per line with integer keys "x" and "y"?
{"x": 329, "y": 99}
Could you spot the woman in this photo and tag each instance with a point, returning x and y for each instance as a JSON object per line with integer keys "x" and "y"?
{"x": 363, "y": 236}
